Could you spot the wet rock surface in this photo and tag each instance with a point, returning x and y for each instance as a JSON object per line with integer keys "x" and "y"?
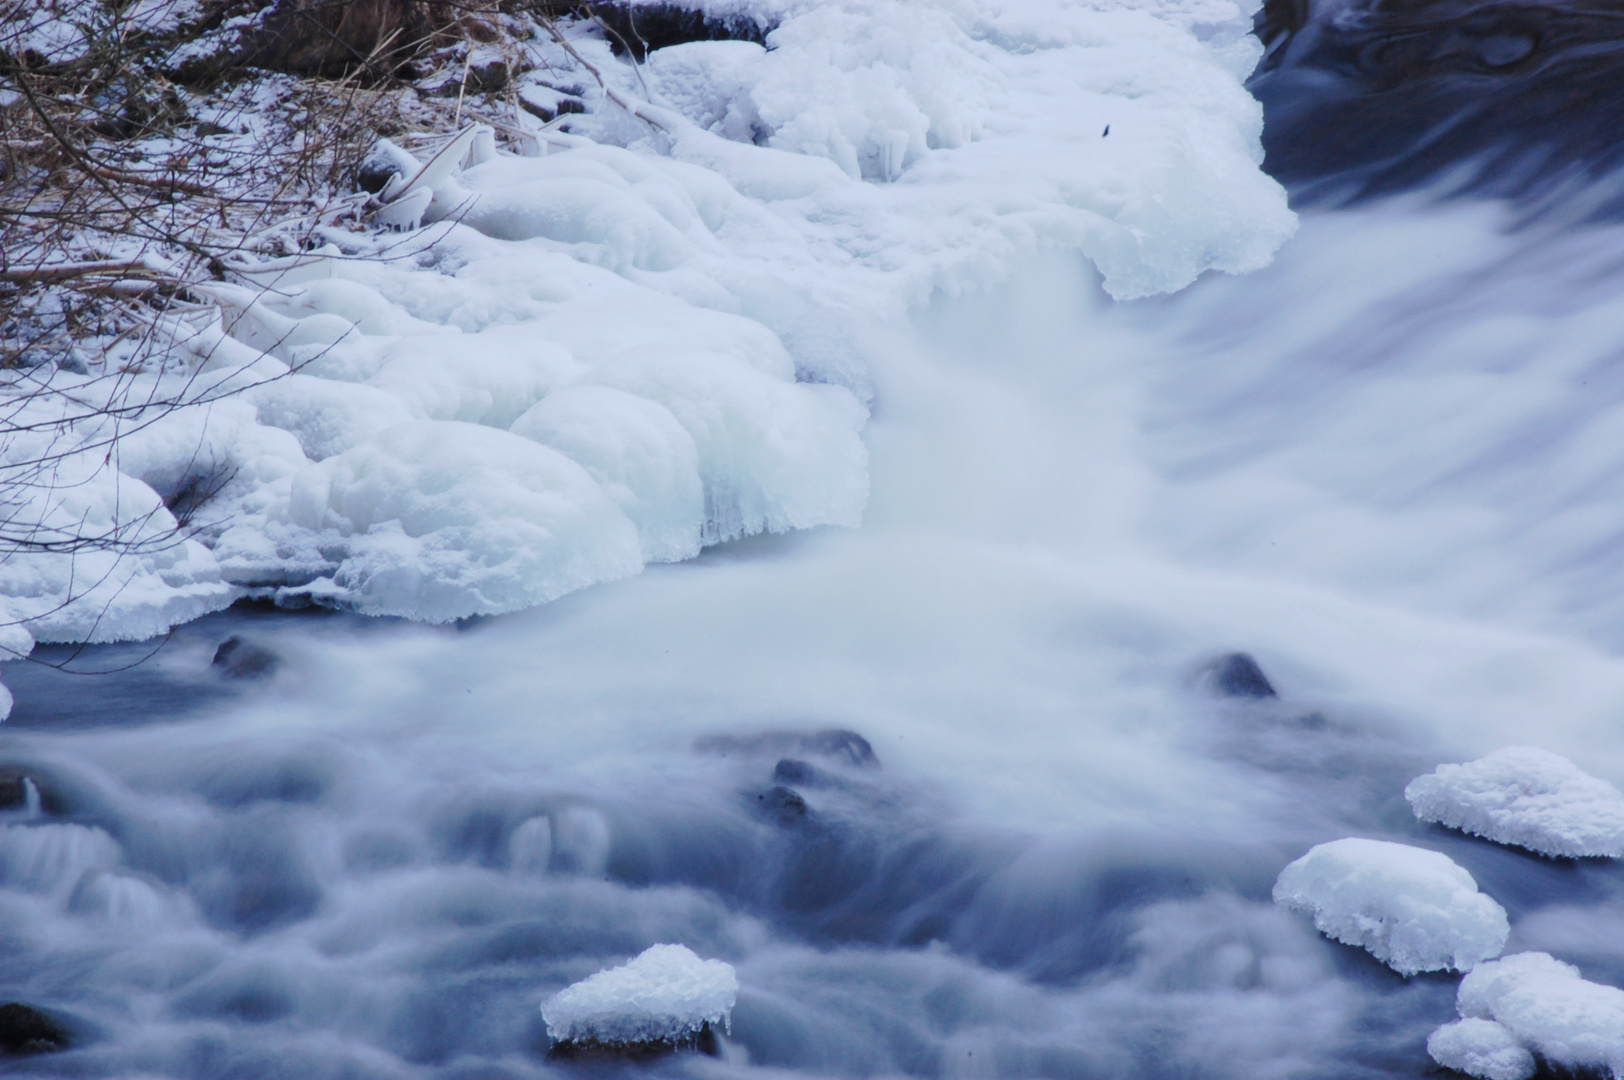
{"x": 836, "y": 744}
{"x": 642, "y": 28}
{"x": 590, "y": 1051}
{"x": 1239, "y": 676}
{"x": 26, "y": 1030}
{"x": 242, "y": 659}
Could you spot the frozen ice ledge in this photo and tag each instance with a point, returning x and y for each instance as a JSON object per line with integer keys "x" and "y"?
{"x": 648, "y": 340}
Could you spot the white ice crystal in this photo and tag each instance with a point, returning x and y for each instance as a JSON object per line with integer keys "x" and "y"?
{"x": 1481, "y": 1048}
{"x": 1542, "y": 1005}
{"x": 1527, "y": 797}
{"x": 665, "y": 994}
{"x": 1414, "y": 910}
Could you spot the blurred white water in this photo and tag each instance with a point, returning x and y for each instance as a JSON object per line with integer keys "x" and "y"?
{"x": 1379, "y": 465}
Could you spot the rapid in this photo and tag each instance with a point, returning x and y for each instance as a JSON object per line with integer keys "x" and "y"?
{"x": 955, "y": 791}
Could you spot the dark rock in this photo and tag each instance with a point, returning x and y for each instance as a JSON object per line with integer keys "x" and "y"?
{"x": 642, "y": 28}
{"x": 243, "y": 659}
{"x": 792, "y": 771}
{"x": 14, "y": 790}
{"x": 1238, "y": 676}
{"x": 839, "y": 745}
{"x": 547, "y": 103}
{"x": 382, "y": 161}
{"x": 457, "y": 81}
{"x": 782, "y": 805}
{"x": 381, "y": 40}
{"x": 26, "y": 1030}
{"x": 591, "y": 1050}
{"x": 313, "y": 37}
{"x": 847, "y": 746}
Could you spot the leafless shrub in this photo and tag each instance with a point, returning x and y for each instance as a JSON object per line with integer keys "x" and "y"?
{"x": 122, "y": 193}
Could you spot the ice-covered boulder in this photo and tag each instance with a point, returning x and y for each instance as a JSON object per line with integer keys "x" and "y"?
{"x": 1482, "y": 1048}
{"x": 1543, "y": 1006}
{"x": 1414, "y": 910}
{"x": 665, "y": 997}
{"x": 1526, "y": 797}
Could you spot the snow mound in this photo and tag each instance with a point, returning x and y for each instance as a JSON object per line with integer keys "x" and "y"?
{"x": 1544, "y": 1006}
{"x": 1414, "y": 910}
{"x": 666, "y": 994}
{"x": 1527, "y": 797}
{"x": 1481, "y": 1048}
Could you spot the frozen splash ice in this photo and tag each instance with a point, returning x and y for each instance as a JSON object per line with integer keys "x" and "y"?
{"x": 1481, "y": 1048}
{"x": 665, "y": 994}
{"x": 1527, "y": 797}
{"x": 1414, "y": 910}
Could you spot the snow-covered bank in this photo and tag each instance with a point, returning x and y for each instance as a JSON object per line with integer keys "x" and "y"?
{"x": 656, "y": 337}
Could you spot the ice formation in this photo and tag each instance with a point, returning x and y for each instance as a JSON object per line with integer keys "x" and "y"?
{"x": 649, "y": 338}
{"x": 666, "y": 994}
{"x": 1482, "y": 1048}
{"x": 1414, "y": 910}
{"x": 1527, "y": 797}
{"x": 1532, "y": 1002}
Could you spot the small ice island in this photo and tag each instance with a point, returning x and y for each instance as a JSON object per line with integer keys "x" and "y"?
{"x": 1532, "y": 1003}
{"x": 1527, "y": 798}
{"x": 1414, "y": 910}
{"x": 665, "y": 999}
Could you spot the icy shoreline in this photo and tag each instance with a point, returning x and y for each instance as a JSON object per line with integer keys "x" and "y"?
{"x": 651, "y": 339}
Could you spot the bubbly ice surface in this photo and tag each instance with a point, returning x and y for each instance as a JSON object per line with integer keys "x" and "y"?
{"x": 1481, "y": 1048}
{"x": 1545, "y": 1003}
{"x": 1524, "y": 796}
{"x": 1413, "y": 909}
{"x": 666, "y": 993}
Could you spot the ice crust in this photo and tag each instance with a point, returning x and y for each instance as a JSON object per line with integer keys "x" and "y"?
{"x": 1533, "y": 1002}
{"x": 1481, "y": 1048}
{"x": 650, "y": 339}
{"x": 666, "y": 994}
{"x": 1527, "y": 797}
{"x": 1414, "y": 910}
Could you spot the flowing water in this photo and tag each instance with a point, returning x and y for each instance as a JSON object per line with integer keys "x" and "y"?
{"x": 1387, "y": 466}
